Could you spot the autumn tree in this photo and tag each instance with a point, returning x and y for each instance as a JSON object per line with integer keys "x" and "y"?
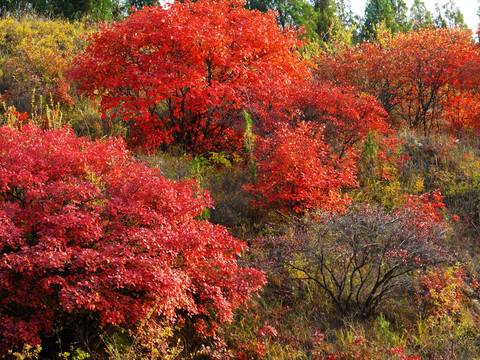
{"x": 182, "y": 74}
{"x": 435, "y": 59}
{"x": 90, "y": 237}
{"x": 413, "y": 75}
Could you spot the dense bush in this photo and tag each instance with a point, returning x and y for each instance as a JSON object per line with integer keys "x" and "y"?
{"x": 86, "y": 232}
{"x": 298, "y": 172}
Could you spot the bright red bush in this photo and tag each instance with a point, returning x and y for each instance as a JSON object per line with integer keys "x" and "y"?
{"x": 86, "y": 230}
{"x": 426, "y": 209}
{"x": 297, "y": 171}
{"x": 463, "y": 113}
{"x": 182, "y": 74}
{"x": 441, "y": 291}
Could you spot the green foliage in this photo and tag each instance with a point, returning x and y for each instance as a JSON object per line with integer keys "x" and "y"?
{"x": 291, "y": 13}
{"x": 326, "y": 13}
{"x": 97, "y": 10}
{"x": 419, "y": 15}
{"x": 385, "y": 334}
{"x": 461, "y": 183}
{"x": 392, "y": 12}
{"x": 140, "y": 3}
{"x": 323, "y": 20}
{"x": 248, "y": 142}
{"x": 151, "y": 339}
{"x": 379, "y": 165}
{"x": 449, "y": 15}
{"x": 223, "y": 175}
{"x": 449, "y": 164}
{"x": 74, "y": 354}
{"x": 448, "y": 337}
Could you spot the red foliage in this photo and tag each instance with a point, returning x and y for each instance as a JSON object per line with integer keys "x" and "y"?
{"x": 60, "y": 93}
{"x": 85, "y": 229}
{"x": 183, "y": 73}
{"x": 297, "y": 171}
{"x": 463, "y": 113}
{"x": 441, "y": 291}
{"x": 411, "y": 74}
{"x": 347, "y": 114}
{"x": 13, "y": 117}
{"x": 426, "y": 209}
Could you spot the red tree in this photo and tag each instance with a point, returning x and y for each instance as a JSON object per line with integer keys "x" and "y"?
{"x": 182, "y": 74}
{"x": 85, "y": 230}
{"x": 411, "y": 74}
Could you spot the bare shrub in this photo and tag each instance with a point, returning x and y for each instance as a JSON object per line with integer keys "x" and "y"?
{"x": 362, "y": 257}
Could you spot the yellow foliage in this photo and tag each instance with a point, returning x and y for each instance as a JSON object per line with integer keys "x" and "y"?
{"x": 37, "y": 49}
{"x": 381, "y": 32}
{"x": 418, "y": 185}
{"x": 28, "y": 352}
{"x": 388, "y": 192}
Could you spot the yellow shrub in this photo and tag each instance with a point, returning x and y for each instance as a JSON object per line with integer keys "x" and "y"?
{"x": 34, "y": 54}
